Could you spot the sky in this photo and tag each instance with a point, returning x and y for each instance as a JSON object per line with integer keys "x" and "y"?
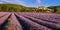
{"x": 32, "y": 3}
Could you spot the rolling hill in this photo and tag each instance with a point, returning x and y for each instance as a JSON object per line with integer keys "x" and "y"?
{"x": 56, "y": 9}
{"x": 21, "y": 8}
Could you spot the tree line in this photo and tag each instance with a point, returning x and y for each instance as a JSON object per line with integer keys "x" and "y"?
{"x": 20, "y": 8}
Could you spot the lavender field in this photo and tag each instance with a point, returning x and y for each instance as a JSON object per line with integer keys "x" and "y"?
{"x": 29, "y": 21}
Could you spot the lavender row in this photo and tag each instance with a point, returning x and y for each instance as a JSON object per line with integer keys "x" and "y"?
{"x": 44, "y": 23}
{"x": 45, "y": 17}
{"x": 13, "y": 24}
{"x": 33, "y": 24}
{"x": 3, "y": 14}
{"x": 2, "y": 20}
{"x": 56, "y": 16}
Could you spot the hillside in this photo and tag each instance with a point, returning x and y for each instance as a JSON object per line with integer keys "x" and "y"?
{"x": 56, "y": 9}
{"x": 14, "y": 8}
{"x": 21, "y": 8}
{"x": 10, "y": 7}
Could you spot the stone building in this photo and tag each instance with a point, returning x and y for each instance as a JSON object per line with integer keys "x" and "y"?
{"x": 44, "y": 9}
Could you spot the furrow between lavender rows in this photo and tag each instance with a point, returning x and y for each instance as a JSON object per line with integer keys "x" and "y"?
{"x": 32, "y": 24}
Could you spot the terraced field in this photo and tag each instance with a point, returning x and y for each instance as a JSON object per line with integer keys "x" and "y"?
{"x": 29, "y": 21}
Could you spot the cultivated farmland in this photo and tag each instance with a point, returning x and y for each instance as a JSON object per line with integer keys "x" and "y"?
{"x": 29, "y": 21}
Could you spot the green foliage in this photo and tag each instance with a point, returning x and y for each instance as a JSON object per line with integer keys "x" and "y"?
{"x": 56, "y": 9}
{"x": 10, "y": 8}
{"x": 15, "y": 8}
{"x": 20, "y": 8}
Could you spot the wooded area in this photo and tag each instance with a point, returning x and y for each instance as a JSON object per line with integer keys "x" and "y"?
{"x": 21, "y": 8}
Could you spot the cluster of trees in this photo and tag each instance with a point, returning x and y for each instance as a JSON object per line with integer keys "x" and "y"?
{"x": 20, "y": 8}
{"x": 15, "y": 8}
{"x": 56, "y": 9}
{"x": 11, "y": 8}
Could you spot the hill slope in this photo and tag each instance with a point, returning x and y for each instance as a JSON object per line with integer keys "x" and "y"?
{"x": 20, "y": 8}
{"x": 10, "y": 7}
{"x": 14, "y": 8}
{"x": 56, "y": 8}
